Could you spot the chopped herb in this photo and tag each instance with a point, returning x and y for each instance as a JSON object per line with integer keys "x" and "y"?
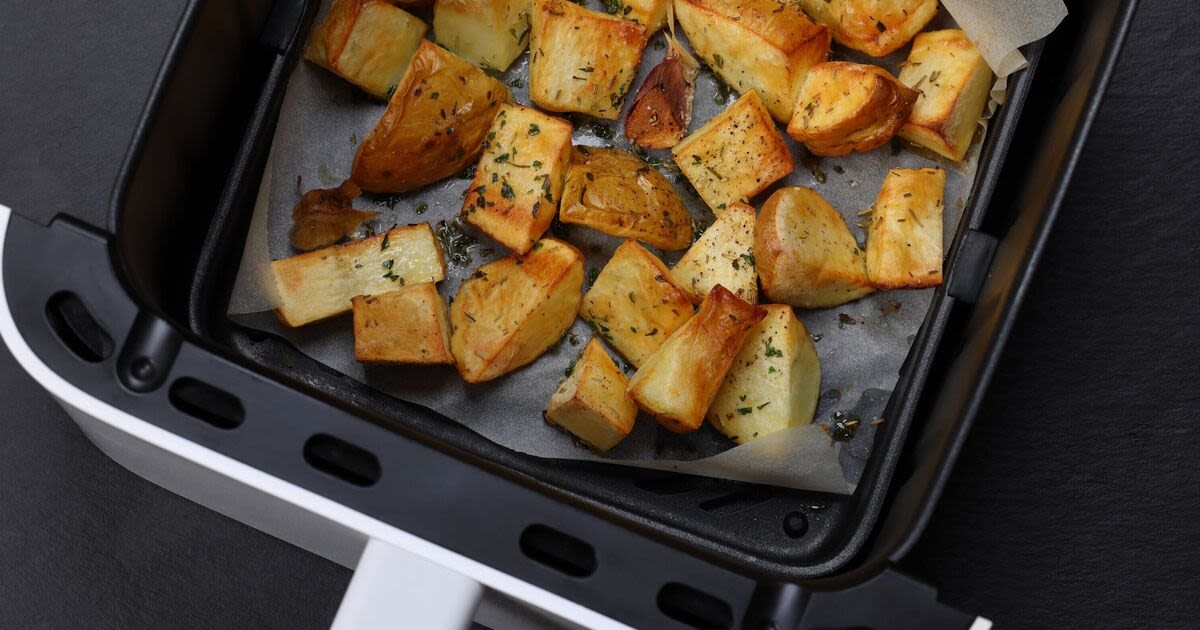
{"x": 763, "y": 405}
{"x": 387, "y": 264}
{"x": 500, "y": 159}
{"x": 537, "y": 164}
{"x": 506, "y": 191}
{"x": 516, "y": 83}
{"x": 573, "y": 338}
{"x": 433, "y": 96}
{"x": 592, "y": 274}
{"x": 659, "y": 45}
{"x": 391, "y": 91}
{"x": 745, "y": 410}
{"x": 587, "y": 69}
{"x": 421, "y": 208}
{"x": 718, "y": 60}
{"x": 771, "y": 370}
{"x": 534, "y": 129}
{"x": 879, "y": 26}
{"x": 749, "y": 258}
{"x": 384, "y": 243}
{"x": 772, "y": 351}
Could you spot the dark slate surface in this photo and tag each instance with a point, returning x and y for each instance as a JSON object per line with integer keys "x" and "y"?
{"x": 1076, "y": 501}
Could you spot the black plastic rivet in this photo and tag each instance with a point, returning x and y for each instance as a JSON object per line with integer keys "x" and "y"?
{"x": 142, "y": 369}
{"x": 795, "y": 524}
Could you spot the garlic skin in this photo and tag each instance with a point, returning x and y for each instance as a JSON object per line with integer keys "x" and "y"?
{"x": 323, "y": 216}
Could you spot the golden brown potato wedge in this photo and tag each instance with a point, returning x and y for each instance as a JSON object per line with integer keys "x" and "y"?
{"x": 954, "y": 82}
{"x": 488, "y": 33}
{"x": 805, "y": 252}
{"x": 366, "y": 42}
{"x": 678, "y": 382}
{"x": 723, "y": 255}
{"x": 613, "y": 191}
{"x": 662, "y": 108}
{"x": 514, "y": 309}
{"x": 408, "y": 325}
{"x": 876, "y": 27}
{"x": 434, "y": 125}
{"x": 904, "y": 241}
{"x": 581, "y": 60}
{"x": 735, "y": 155}
{"x": 764, "y": 46}
{"x": 633, "y": 305}
{"x": 520, "y": 176}
{"x": 591, "y": 403}
{"x": 320, "y": 283}
{"x": 649, "y": 13}
{"x": 845, "y": 106}
{"x": 774, "y": 381}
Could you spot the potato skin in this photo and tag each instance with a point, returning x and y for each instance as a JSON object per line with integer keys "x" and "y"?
{"x": 904, "y": 240}
{"x": 611, "y": 190}
{"x": 805, "y": 252}
{"x": 954, "y": 82}
{"x": 677, "y": 383}
{"x": 845, "y": 106}
{"x": 723, "y": 255}
{"x": 411, "y": 145}
{"x": 591, "y": 403}
{"x": 367, "y": 42}
{"x": 514, "y": 309}
{"x": 876, "y": 27}
{"x": 408, "y": 325}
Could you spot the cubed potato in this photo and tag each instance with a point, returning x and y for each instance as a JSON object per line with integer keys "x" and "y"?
{"x": 678, "y": 382}
{"x": 649, "y": 13}
{"x": 513, "y": 309}
{"x": 319, "y": 284}
{"x": 723, "y": 255}
{"x": 581, "y": 60}
{"x": 611, "y": 190}
{"x": 366, "y": 42}
{"x": 520, "y": 176}
{"x": 805, "y": 253}
{"x": 844, "y": 107}
{"x": 633, "y": 305}
{"x": 735, "y": 155}
{"x": 904, "y": 241}
{"x": 408, "y": 325}
{"x": 954, "y": 82}
{"x": 434, "y": 124}
{"x": 591, "y": 403}
{"x": 764, "y": 46}
{"x": 876, "y": 27}
{"x": 488, "y": 33}
{"x": 774, "y": 381}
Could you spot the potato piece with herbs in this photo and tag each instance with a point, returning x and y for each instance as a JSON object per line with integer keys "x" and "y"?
{"x": 513, "y": 309}
{"x": 805, "y": 253}
{"x": 774, "y": 381}
{"x": 876, "y": 27}
{"x": 408, "y": 325}
{"x": 844, "y": 107}
{"x": 649, "y": 13}
{"x": 488, "y": 33}
{"x": 633, "y": 305}
{"x": 611, "y": 190}
{"x": 678, "y": 382}
{"x": 954, "y": 82}
{"x": 434, "y": 125}
{"x": 581, "y": 60}
{"x": 764, "y": 46}
{"x": 319, "y": 284}
{"x": 366, "y": 42}
{"x": 520, "y": 175}
{"x": 904, "y": 240}
{"x": 723, "y": 255}
{"x": 591, "y": 403}
{"x": 735, "y": 155}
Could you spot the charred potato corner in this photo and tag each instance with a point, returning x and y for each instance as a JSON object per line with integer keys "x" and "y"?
{"x": 714, "y": 336}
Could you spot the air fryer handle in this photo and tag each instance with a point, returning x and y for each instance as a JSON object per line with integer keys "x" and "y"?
{"x": 890, "y": 600}
{"x": 394, "y": 588}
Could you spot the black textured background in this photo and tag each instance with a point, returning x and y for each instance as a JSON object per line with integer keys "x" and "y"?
{"x": 1076, "y": 501}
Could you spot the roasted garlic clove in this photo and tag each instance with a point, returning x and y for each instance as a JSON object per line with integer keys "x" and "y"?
{"x": 662, "y": 109}
{"x": 324, "y": 216}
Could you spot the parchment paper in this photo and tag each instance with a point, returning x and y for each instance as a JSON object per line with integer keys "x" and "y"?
{"x": 861, "y": 344}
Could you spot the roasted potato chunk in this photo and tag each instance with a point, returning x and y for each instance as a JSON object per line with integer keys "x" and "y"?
{"x": 723, "y": 255}
{"x": 613, "y": 191}
{"x": 774, "y": 381}
{"x": 591, "y": 403}
{"x": 904, "y": 241}
{"x": 633, "y": 305}
{"x": 488, "y": 33}
{"x": 434, "y": 124}
{"x": 844, "y": 107}
{"x": 408, "y": 325}
{"x": 581, "y": 60}
{"x": 876, "y": 27}
{"x": 366, "y": 42}
{"x": 805, "y": 253}
{"x": 513, "y": 309}
{"x": 320, "y": 283}
{"x": 678, "y": 382}
{"x": 954, "y": 82}
{"x": 764, "y": 46}
{"x": 649, "y": 13}
{"x": 520, "y": 176}
{"x": 735, "y": 155}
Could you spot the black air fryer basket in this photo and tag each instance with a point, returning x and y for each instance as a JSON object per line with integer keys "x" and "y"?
{"x": 129, "y": 306}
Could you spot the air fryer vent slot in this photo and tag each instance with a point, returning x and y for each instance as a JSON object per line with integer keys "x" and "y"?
{"x": 673, "y": 484}
{"x": 744, "y": 498}
{"x": 694, "y": 608}
{"x": 205, "y": 402}
{"x": 74, "y": 325}
{"x": 559, "y": 551}
{"x": 342, "y": 459}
